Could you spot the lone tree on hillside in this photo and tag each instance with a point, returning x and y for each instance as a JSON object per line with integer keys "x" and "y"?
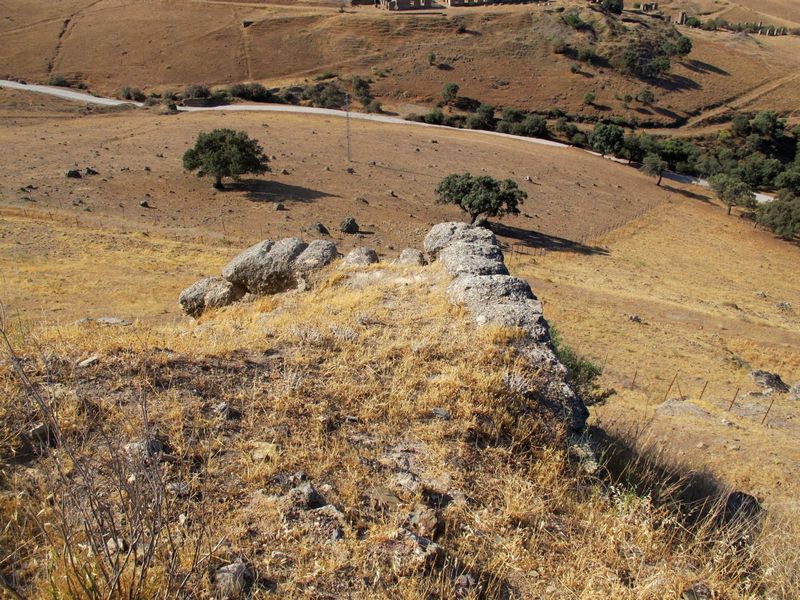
{"x": 732, "y": 191}
{"x": 481, "y": 195}
{"x": 654, "y": 166}
{"x": 450, "y": 92}
{"x": 225, "y": 153}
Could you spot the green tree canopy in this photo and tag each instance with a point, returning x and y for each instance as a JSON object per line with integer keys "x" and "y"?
{"x": 732, "y": 191}
{"x": 450, "y": 92}
{"x": 654, "y": 166}
{"x": 225, "y": 153}
{"x": 480, "y": 195}
{"x": 607, "y": 138}
{"x": 782, "y": 215}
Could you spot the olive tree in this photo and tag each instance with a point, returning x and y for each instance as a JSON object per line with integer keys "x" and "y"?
{"x": 480, "y": 195}
{"x": 654, "y": 166}
{"x": 225, "y": 153}
{"x": 732, "y": 191}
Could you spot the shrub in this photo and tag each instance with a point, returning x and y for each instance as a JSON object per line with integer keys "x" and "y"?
{"x": 532, "y": 126}
{"x": 326, "y": 75}
{"x": 129, "y": 93}
{"x": 450, "y": 92}
{"x": 579, "y": 139}
{"x": 324, "y": 95}
{"x": 434, "y": 117}
{"x": 589, "y": 98}
{"x": 613, "y": 6}
{"x": 583, "y": 370}
{"x": 58, "y": 80}
{"x": 254, "y": 92}
{"x": 646, "y": 97}
{"x": 575, "y": 68}
{"x": 431, "y": 58}
{"x": 782, "y": 215}
{"x": 573, "y": 19}
{"x": 373, "y": 106}
{"x": 196, "y": 90}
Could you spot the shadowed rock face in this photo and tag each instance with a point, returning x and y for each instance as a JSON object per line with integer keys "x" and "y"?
{"x": 493, "y": 297}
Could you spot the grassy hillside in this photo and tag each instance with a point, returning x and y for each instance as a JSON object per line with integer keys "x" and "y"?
{"x": 499, "y": 55}
{"x": 403, "y": 418}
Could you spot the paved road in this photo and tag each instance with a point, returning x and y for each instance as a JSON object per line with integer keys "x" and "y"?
{"x": 69, "y": 94}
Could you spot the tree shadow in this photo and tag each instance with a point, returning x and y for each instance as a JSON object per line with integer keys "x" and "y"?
{"x": 675, "y": 83}
{"x": 687, "y": 193}
{"x": 699, "y": 66}
{"x": 537, "y": 239}
{"x": 259, "y": 190}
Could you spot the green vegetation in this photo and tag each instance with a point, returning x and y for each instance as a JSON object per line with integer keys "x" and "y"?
{"x": 324, "y": 95}
{"x": 450, "y": 92}
{"x": 654, "y": 166}
{"x": 782, "y": 215}
{"x": 613, "y": 6}
{"x": 584, "y": 371}
{"x": 607, "y": 138}
{"x": 480, "y": 196}
{"x": 732, "y": 191}
{"x": 225, "y": 153}
{"x": 255, "y": 92}
{"x": 129, "y": 93}
{"x": 589, "y": 98}
{"x": 196, "y": 90}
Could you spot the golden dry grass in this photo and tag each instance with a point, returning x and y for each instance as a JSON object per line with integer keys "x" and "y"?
{"x": 335, "y": 383}
{"x": 696, "y": 279}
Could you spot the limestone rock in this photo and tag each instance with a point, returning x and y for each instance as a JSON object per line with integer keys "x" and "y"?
{"x": 349, "y": 225}
{"x": 318, "y": 254}
{"x": 266, "y": 267}
{"x": 424, "y": 521}
{"x": 474, "y": 290}
{"x": 233, "y": 580}
{"x": 472, "y": 258}
{"x": 360, "y": 257}
{"x": 412, "y": 257}
{"x": 210, "y": 292}
{"x": 444, "y": 234}
{"x": 526, "y": 315}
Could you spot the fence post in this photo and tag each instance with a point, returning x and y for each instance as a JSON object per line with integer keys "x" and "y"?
{"x": 703, "y": 391}
{"x": 669, "y": 389}
{"x": 734, "y": 399}
{"x": 633, "y": 383}
{"x": 769, "y": 409}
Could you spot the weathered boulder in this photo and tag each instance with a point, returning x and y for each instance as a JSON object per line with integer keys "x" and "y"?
{"x": 210, "y": 292}
{"x": 444, "y": 234}
{"x": 233, "y": 580}
{"x": 481, "y": 290}
{"x": 412, "y": 257}
{"x": 318, "y": 254}
{"x": 527, "y": 315}
{"x": 360, "y": 257}
{"x": 266, "y": 267}
{"x": 348, "y": 225}
{"x": 770, "y": 381}
{"x": 473, "y": 258}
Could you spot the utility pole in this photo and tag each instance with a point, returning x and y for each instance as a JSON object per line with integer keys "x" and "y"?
{"x": 347, "y": 119}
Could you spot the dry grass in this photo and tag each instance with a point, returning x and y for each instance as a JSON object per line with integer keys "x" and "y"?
{"x": 340, "y": 383}
{"x": 693, "y": 275}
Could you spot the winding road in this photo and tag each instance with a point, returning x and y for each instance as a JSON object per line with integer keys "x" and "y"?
{"x": 75, "y": 96}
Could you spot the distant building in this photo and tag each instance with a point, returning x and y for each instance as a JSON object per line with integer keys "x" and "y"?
{"x": 404, "y": 4}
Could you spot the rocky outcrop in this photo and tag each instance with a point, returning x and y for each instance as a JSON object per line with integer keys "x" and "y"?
{"x": 444, "y": 234}
{"x": 360, "y": 257}
{"x": 269, "y": 267}
{"x": 482, "y": 285}
{"x": 210, "y": 292}
{"x": 412, "y": 257}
